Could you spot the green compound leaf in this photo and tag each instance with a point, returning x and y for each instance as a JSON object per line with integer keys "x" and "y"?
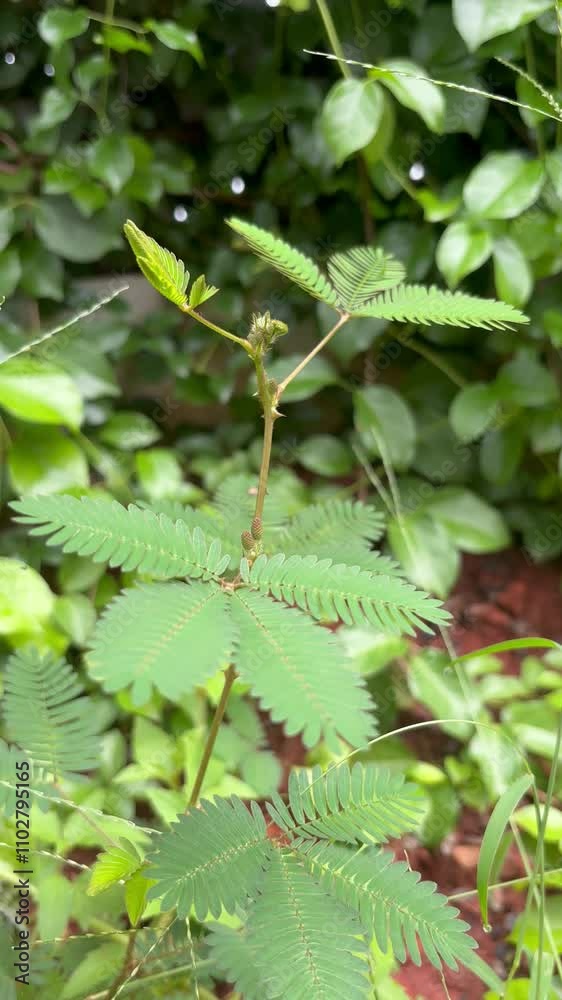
{"x": 112, "y": 866}
{"x": 306, "y": 943}
{"x": 298, "y": 268}
{"x": 298, "y": 672}
{"x": 343, "y": 592}
{"x": 363, "y": 805}
{"x": 129, "y": 537}
{"x": 160, "y": 267}
{"x": 45, "y": 715}
{"x": 170, "y": 636}
{"x": 213, "y": 857}
{"x": 359, "y": 273}
{"x": 393, "y": 903}
{"x": 418, "y": 304}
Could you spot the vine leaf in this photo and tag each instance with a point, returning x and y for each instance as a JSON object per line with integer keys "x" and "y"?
{"x": 161, "y": 267}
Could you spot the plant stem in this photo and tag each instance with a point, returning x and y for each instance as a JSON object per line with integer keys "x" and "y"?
{"x": 269, "y": 416}
{"x": 229, "y": 678}
{"x": 332, "y": 34}
{"x": 218, "y": 329}
{"x": 513, "y": 883}
{"x": 532, "y": 70}
{"x": 155, "y": 977}
{"x": 539, "y": 860}
{"x": 435, "y": 359}
{"x": 316, "y": 350}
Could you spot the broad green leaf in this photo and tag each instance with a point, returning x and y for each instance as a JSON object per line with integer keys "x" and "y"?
{"x": 498, "y": 761}
{"x": 421, "y": 96}
{"x": 96, "y": 969}
{"x": 472, "y": 411}
{"x": 526, "y": 819}
{"x": 44, "y": 461}
{"x": 42, "y": 273}
{"x": 351, "y": 116}
{"x": 39, "y": 393}
{"x": 554, "y": 169}
{"x": 501, "y": 451}
{"x": 479, "y": 20}
{"x": 56, "y": 106}
{"x": 26, "y": 601}
{"x": 113, "y": 865}
{"x": 76, "y": 615}
{"x": 67, "y": 234}
{"x": 386, "y": 425}
{"x": 160, "y": 267}
{"x": 503, "y": 185}
{"x": 462, "y": 249}
{"x": 136, "y": 889}
{"x": 10, "y": 272}
{"x": 121, "y": 40}
{"x": 441, "y": 691}
{"x": 493, "y": 834}
{"x": 90, "y": 71}
{"x": 175, "y": 36}
{"x": 471, "y": 523}
{"x": 59, "y": 25}
{"x": 159, "y": 473}
{"x": 514, "y": 277}
{"x": 426, "y": 552}
{"x": 128, "y": 431}
{"x": 111, "y": 160}
{"x": 7, "y": 220}
{"x": 524, "y": 381}
{"x": 325, "y": 455}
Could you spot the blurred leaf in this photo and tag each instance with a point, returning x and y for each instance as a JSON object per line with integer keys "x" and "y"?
{"x": 174, "y": 36}
{"x": 472, "y": 524}
{"x": 76, "y": 616}
{"x": 472, "y": 411}
{"x": 42, "y": 272}
{"x": 351, "y": 116}
{"x": 43, "y": 460}
{"x": 479, "y": 20}
{"x": 111, "y": 160}
{"x": 514, "y": 278}
{"x": 7, "y": 220}
{"x": 426, "y": 552}
{"x": 526, "y": 819}
{"x": 325, "y": 455}
{"x": 421, "y": 96}
{"x": 503, "y": 185}
{"x": 58, "y": 25}
{"x": 386, "y": 424}
{"x": 63, "y": 230}
{"x": 159, "y": 472}
{"x": 26, "y": 602}
{"x": 129, "y": 431}
{"x": 462, "y": 249}
{"x": 39, "y": 393}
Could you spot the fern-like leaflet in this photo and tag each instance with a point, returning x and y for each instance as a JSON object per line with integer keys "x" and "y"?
{"x": 131, "y": 538}
{"x": 160, "y": 267}
{"x": 361, "y": 272}
{"x": 298, "y": 882}
{"x": 47, "y": 714}
{"x": 332, "y": 592}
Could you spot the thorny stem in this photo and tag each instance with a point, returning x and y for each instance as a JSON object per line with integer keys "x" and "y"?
{"x": 270, "y": 415}
{"x": 320, "y": 345}
{"x": 229, "y": 678}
